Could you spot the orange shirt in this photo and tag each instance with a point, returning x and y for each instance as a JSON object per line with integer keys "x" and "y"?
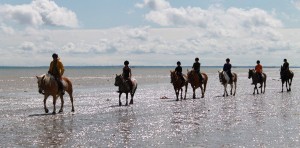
{"x": 258, "y": 68}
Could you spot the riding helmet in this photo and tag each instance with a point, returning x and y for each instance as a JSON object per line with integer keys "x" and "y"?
{"x": 257, "y": 61}
{"x": 178, "y": 63}
{"x": 54, "y": 55}
{"x": 197, "y": 59}
{"x": 227, "y": 60}
{"x": 284, "y": 60}
{"x": 126, "y": 63}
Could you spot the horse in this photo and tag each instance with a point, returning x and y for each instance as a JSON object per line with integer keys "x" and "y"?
{"x": 48, "y": 86}
{"x": 193, "y": 78}
{"x": 124, "y": 87}
{"x": 224, "y": 79}
{"x": 178, "y": 84}
{"x": 255, "y": 78}
{"x": 286, "y": 77}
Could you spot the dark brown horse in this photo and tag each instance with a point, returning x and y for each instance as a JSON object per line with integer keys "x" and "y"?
{"x": 287, "y": 78}
{"x": 193, "y": 78}
{"x": 255, "y": 79}
{"x": 124, "y": 87}
{"x": 224, "y": 79}
{"x": 178, "y": 83}
{"x": 49, "y": 87}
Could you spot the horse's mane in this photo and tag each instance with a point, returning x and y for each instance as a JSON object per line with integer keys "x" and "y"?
{"x": 47, "y": 78}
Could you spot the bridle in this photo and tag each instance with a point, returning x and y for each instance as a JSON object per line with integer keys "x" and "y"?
{"x": 41, "y": 85}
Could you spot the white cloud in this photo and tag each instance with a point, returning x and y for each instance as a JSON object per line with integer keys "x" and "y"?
{"x": 154, "y": 4}
{"x": 38, "y": 13}
{"x": 296, "y": 3}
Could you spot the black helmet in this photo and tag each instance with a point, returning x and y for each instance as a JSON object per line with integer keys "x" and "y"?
{"x": 178, "y": 63}
{"x": 197, "y": 59}
{"x": 54, "y": 55}
{"x": 227, "y": 60}
{"x": 284, "y": 60}
{"x": 257, "y": 61}
{"x": 126, "y": 63}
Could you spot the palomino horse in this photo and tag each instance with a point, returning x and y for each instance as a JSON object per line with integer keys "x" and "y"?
{"x": 255, "y": 78}
{"x": 124, "y": 87}
{"x": 178, "y": 84}
{"x": 49, "y": 87}
{"x": 224, "y": 79}
{"x": 193, "y": 78}
{"x": 287, "y": 78}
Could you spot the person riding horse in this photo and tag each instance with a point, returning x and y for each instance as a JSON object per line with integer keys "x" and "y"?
{"x": 258, "y": 70}
{"x": 285, "y": 68}
{"x": 127, "y": 74}
{"x": 196, "y": 67}
{"x": 227, "y": 68}
{"x": 57, "y": 70}
{"x": 178, "y": 71}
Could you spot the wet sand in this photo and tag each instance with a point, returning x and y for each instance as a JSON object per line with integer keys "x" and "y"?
{"x": 265, "y": 120}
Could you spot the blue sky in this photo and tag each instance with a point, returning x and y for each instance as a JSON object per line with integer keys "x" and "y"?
{"x": 149, "y": 32}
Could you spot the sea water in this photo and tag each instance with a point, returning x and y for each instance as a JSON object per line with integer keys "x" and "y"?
{"x": 245, "y": 120}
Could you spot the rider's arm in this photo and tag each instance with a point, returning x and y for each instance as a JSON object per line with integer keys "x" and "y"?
{"x": 50, "y": 67}
{"x": 61, "y": 68}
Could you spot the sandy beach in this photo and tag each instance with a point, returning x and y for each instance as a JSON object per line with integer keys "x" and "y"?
{"x": 245, "y": 120}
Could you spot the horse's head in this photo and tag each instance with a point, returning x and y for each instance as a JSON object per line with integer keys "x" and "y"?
{"x": 250, "y": 73}
{"x": 173, "y": 76}
{"x": 41, "y": 83}
{"x": 221, "y": 76}
{"x": 118, "y": 80}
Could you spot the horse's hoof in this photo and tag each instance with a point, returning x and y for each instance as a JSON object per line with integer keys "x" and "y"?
{"x": 53, "y": 112}
{"x": 47, "y": 110}
{"x": 72, "y": 110}
{"x": 177, "y": 99}
{"x": 60, "y": 111}
{"x": 120, "y": 104}
{"x": 126, "y": 104}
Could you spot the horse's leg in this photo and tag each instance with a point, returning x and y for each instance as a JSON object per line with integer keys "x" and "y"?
{"x": 126, "y": 99}
{"x": 120, "y": 103}
{"x": 286, "y": 85}
{"x": 54, "y": 104}
{"x": 254, "y": 89}
{"x": 291, "y": 84}
{"x": 45, "y": 106}
{"x": 234, "y": 88}
{"x": 62, "y": 103}
{"x": 177, "y": 93}
{"x": 231, "y": 87}
{"x": 282, "y": 83}
{"x": 202, "y": 91}
{"x": 185, "y": 92}
{"x": 194, "y": 95}
{"x": 181, "y": 92}
{"x": 225, "y": 90}
{"x": 71, "y": 98}
{"x": 132, "y": 94}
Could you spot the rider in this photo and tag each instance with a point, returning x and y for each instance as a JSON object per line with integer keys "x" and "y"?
{"x": 196, "y": 67}
{"x": 57, "y": 70}
{"x": 258, "y": 70}
{"x": 178, "y": 71}
{"x": 127, "y": 73}
{"x": 285, "y": 67}
{"x": 227, "y": 68}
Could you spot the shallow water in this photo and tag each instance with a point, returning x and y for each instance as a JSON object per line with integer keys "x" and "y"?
{"x": 246, "y": 120}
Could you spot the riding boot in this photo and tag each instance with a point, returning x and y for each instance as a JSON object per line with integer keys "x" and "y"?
{"x": 60, "y": 87}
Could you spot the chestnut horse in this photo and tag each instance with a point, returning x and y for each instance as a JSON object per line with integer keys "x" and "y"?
{"x": 255, "y": 79}
{"x": 287, "y": 78}
{"x": 224, "y": 79}
{"x": 193, "y": 78}
{"x": 178, "y": 84}
{"x": 48, "y": 87}
{"x": 125, "y": 88}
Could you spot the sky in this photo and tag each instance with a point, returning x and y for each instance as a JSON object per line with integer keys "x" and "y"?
{"x": 149, "y": 32}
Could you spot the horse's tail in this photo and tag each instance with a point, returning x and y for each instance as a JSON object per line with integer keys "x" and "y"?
{"x": 205, "y": 80}
{"x": 69, "y": 87}
{"x": 265, "y": 80}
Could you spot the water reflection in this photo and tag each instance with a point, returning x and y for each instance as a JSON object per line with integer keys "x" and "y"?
{"x": 55, "y": 131}
{"x": 126, "y": 119}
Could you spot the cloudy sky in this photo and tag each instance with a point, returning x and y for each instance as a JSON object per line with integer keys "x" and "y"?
{"x": 149, "y": 32}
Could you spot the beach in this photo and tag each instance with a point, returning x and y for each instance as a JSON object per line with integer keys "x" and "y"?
{"x": 245, "y": 120}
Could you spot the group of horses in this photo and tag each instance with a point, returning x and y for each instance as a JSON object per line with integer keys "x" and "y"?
{"x": 48, "y": 86}
{"x": 193, "y": 79}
